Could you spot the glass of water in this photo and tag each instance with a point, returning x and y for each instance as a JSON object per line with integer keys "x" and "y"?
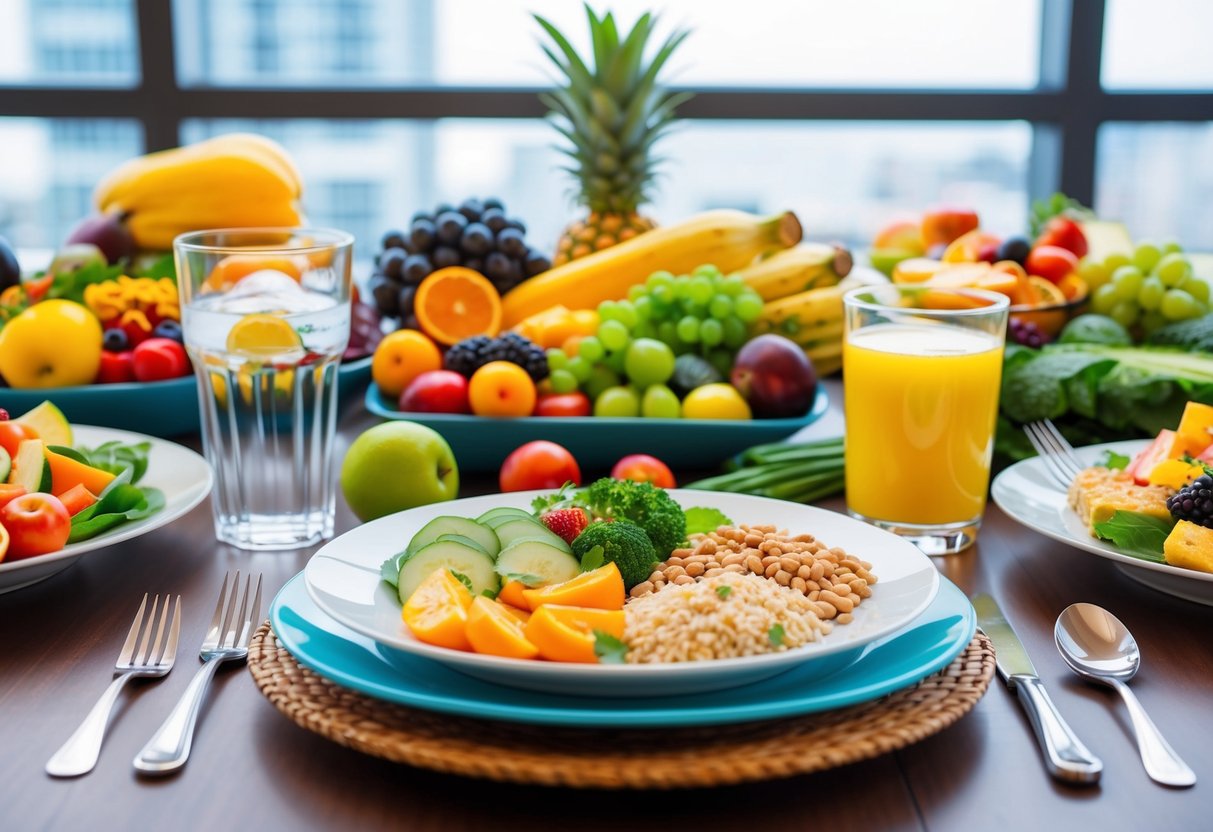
{"x": 266, "y": 316}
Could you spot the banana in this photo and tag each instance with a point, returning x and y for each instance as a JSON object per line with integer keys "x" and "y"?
{"x": 798, "y": 269}
{"x": 730, "y": 240}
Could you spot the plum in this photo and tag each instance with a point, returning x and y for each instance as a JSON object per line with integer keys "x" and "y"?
{"x": 775, "y": 377}
{"x": 108, "y": 233}
{"x": 10, "y": 271}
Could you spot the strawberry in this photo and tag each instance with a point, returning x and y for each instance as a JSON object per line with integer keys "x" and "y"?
{"x": 566, "y": 522}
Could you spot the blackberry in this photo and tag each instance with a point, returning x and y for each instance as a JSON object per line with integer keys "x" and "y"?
{"x": 1194, "y": 502}
{"x": 519, "y": 350}
{"x": 468, "y": 355}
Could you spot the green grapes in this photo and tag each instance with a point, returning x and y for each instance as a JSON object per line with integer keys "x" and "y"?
{"x": 1145, "y": 290}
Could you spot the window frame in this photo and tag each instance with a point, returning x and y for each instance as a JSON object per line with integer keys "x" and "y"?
{"x": 1065, "y": 111}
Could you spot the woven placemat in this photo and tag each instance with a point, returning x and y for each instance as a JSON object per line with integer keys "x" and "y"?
{"x": 608, "y": 759}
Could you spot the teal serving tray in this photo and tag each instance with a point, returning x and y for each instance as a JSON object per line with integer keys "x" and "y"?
{"x": 157, "y": 408}
{"x": 482, "y": 444}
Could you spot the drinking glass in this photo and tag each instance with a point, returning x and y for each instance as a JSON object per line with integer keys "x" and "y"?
{"x": 266, "y": 315}
{"x": 922, "y": 369}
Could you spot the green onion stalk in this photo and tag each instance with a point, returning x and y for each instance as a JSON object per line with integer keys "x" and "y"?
{"x": 801, "y": 472}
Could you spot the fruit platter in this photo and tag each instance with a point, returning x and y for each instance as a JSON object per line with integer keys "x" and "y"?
{"x": 556, "y": 590}
{"x": 70, "y": 489}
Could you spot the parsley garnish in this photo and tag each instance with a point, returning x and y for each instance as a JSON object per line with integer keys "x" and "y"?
{"x": 1115, "y": 461}
{"x": 524, "y": 578}
{"x": 775, "y": 634}
{"x": 724, "y": 591}
{"x": 464, "y": 579}
{"x": 609, "y": 649}
{"x": 592, "y": 559}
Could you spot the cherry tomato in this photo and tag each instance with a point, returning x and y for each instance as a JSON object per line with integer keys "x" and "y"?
{"x": 539, "y": 464}
{"x": 37, "y": 523}
{"x": 158, "y": 359}
{"x": 116, "y": 367}
{"x": 644, "y": 468}
{"x": 1051, "y": 262}
{"x": 1063, "y": 232}
{"x": 563, "y": 404}
{"x": 12, "y": 434}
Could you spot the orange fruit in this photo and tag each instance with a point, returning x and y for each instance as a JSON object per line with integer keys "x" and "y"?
{"x": 1049, "y": 294}
{"x": 263, "y": 336}
{"x": 456, "y": 303}
{"x": 511, "y": 593}
{"x": 400, "y": 358}
{"x": 501, "y": 388}
{"x": 600, "y": 588}
{"x": 437, "y": 611}
{"x": 916, "y": 270}
{"x": 235, "y": 267}
{"x": 494, "y": 630}
{"x": 566, "y": 634}
{"x": 1073, "y": 286}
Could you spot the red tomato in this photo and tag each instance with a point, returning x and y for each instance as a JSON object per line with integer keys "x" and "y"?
{"x": 116, "y": 367}
{"x": 158, "y": 359}
{"x": 563, "y": 404}
{"x": 1051, "y": 262}
{"x": 37, "y": 523}
{"x": 10, "y": 491}
{"x": 12, "y": 434}
{"x": 1063, "y": 232}
{"x": 539, "y": 464}
{"x": 644, "y": 468}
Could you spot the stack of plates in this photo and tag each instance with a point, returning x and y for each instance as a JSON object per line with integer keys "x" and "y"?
{"x": 340, "y": 620}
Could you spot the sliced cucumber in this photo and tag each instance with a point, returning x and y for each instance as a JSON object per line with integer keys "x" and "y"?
{"x": 464, "y": 541}
{"x": 447, "y": 554}
{"x": 540, "y": 559}
{"x": 503, "y": 511}
{"x": 30, "y": 467}
{"x": 6, "y": 465}
{"x": 518, "y": 529}
{"x": 462, "y": 526}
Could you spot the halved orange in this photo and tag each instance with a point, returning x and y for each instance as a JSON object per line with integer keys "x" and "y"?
{"x": 566, "y": 634}
{"x": 492, "y": 629}
{"x": 235, "y": 267}
{"x": 456, "y": 303}
{"x": 437, "y": 611}
{"x": 967, "y": 247}
{"x": 263, "y": 336}
{"x": 1047, "y": 292}
{"x": 600, "y": 588}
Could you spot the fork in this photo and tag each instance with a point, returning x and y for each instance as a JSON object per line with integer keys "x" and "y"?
{"x": 226, "y": 640}
{"x": 79, "y": 754}
{"x": 1058, "y": 454}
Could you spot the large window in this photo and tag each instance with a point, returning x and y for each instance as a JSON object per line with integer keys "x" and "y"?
{"x": 848, "y": 113}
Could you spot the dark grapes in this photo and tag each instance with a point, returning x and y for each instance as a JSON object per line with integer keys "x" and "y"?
{"x": 422, "y": 235}
{"x": 1014, "y": 248}
{"x": 516, "y": 224}
{"x": 450, "y": 226}
{"x": 497, "y": 266}
{"x": 391, "y": 263}
{"x": 404, "y": 301}
{"x": 475, "y": 264}
{"x": 535, "y": 263}
{"x": 477, "y": 240}
{"x": 444, "y": 256}
{"x": 512, "y": 242}
{"x": 393, "y": 239}
{"x": 494, "y": 202}
{"x": 1027, "y": 333}
{"x": 494, "y": 218}
{"x": 472, "y": 209}
{"x": 385, "y": 292}
{"x": 417, "y": 268}
{"x": 419, "y": 216}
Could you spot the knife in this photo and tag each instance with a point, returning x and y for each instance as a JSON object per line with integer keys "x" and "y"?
{"x": 1066, "y": 757}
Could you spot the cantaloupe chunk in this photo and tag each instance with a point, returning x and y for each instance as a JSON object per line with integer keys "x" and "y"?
{"x": 1189, "y": 546}
{"x": 1196, "y": 426}
{"x": 67, "y": 473}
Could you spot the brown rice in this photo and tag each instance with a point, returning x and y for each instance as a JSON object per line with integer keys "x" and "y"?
{"x": 701, "y": 620}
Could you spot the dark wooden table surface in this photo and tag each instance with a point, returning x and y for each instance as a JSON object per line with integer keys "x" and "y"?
{"x": 251, "y": 768}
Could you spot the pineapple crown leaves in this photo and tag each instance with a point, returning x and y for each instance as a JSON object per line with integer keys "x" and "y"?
{"x": 613, "y": 113}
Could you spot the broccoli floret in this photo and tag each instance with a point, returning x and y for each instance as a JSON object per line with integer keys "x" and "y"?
{"x": 623, "y": 543}
{"x": 647, "y": 506}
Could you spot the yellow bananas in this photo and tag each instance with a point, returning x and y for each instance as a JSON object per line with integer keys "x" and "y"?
{"x": 797, "y": 269}
{"x": 729, "y": 240}
{"x": 238, "y": 180}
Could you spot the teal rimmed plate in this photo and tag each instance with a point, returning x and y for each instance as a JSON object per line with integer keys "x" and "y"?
{"x": 482, "y": 444}
{"x": 157, "y": 408}
{"x": 928, "y": 644}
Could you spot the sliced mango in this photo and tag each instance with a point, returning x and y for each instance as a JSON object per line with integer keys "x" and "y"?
{"x": 437, "y": 611}
{"x": 512, "y": 593}
{"x": 601, "y": 588}
{"x": 67, "y": 473}
{"x": 1196, "y": 426}
{"x": 493, "y": 630}
{"x": 1190, "y": 546}
{"x": 566, "y": 634}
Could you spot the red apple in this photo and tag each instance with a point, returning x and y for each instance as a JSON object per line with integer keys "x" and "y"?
{"x": 436, "y": 391}
{"x": 775, "y": 377}
{"x": 644, "y": 468}
{"x": 943, "y": 225}
{"x": 37, "y": 524}
{"x": 563, "y": 404}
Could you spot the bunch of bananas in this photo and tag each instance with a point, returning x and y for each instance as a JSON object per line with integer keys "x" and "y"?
{"x": 238, "y": 180}
{"x": 803, "y": 289}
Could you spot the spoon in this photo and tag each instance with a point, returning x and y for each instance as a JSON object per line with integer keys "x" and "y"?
{"x": 1098, "y": 647}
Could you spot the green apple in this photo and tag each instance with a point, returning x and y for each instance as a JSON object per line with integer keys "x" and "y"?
{"x": 397, "y": 465}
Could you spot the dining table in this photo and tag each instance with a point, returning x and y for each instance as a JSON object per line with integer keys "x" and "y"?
{"x": 252, "y": 768}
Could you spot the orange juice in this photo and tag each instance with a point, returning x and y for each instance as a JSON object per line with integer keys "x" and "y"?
{"x": 921, "y": 402}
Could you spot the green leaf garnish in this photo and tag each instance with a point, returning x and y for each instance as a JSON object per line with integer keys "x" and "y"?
{"x": 1139, "y": 535}
{"x": 463, "y": 579}
{"x": 701, "y": 520}
{"x": 724, "y": 591}
{"x": 525, "y": 578}
{"x": 1116, "y": 461}
{"x": 121, "y": 502}
{"x": 776, "y": 634}
{"x": 592, "y": 559}
{"x": 609, "y": 649}
{"x": 489, "y": 593}
{"x": 116, "y": 457}
{"x": 389, "y": 570}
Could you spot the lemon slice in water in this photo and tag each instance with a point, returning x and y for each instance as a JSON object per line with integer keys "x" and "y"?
{"x": 263, "y": 336}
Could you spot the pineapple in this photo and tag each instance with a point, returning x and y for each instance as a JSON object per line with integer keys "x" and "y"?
{"x": 611, "y": 115}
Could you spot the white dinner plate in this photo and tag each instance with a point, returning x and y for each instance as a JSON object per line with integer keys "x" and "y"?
{"x": 343, "y": 579}
{"x": 183, "y": 476}
{"x": 1027, "y": 493}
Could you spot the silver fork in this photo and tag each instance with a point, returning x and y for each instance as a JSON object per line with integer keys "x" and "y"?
{"x": 1058, "y": 454}
{"x": 226, "y": 640}
{"x": 153, "y": 660}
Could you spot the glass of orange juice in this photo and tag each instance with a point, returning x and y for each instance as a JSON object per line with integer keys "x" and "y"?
{"x": 922, "y": 369}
